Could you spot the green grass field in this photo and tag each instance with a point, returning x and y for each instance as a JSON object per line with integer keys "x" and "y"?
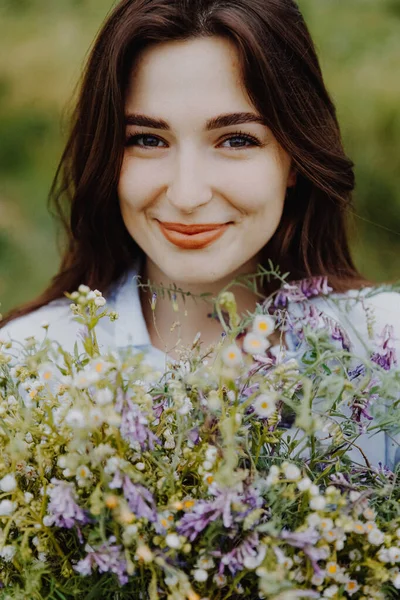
{"x": 43, "y": 48}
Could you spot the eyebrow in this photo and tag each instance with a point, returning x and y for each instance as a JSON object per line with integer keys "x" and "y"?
{"x": 226, "y": 120}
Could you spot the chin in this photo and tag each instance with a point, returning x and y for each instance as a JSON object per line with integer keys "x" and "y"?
{"x": 193, "y": 274}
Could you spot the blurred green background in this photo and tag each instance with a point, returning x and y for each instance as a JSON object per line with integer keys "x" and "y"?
{"x": 42, "y": 49}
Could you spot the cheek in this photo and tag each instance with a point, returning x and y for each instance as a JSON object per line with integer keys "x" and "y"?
{"x": 259, "y": 188}
{"x": 133, "y": 193}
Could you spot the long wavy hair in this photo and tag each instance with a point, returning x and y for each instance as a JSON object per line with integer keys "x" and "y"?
{"x": 283, "y": 78}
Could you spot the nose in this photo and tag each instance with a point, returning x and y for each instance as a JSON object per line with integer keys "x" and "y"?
{"x": 188, "y": 189}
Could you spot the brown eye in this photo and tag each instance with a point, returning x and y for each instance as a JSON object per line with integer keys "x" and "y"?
{"x": 243, "y": 138}
{"x": 149, "y": 141}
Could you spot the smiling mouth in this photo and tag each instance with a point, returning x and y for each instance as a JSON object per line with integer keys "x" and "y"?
{"x": 192, "y": 237}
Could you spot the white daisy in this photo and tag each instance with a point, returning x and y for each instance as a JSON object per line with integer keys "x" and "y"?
{"x": 263, "y": 325}
{"x": 265, "y": 405}
{"x": 254, "y": 343}
{"x": 232, "y": 356}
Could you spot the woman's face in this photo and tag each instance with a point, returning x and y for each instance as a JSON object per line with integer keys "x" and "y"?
{"x": 226, "y": 175}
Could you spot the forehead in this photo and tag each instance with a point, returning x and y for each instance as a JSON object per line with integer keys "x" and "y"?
{"x": 201, "y": 75}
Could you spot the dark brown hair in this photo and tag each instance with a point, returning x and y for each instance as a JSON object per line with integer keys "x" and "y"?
{"x": 283, "y": 78}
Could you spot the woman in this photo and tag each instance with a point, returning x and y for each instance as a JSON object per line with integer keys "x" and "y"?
{"x": 203, "y": 143}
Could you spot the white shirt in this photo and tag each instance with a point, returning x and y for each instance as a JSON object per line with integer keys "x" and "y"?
{"x": 130, "y": 330}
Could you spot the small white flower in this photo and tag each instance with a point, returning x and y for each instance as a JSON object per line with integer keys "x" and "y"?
{"x": 317, "y": 503}
{"x": 314, "y": 490}
{"x": 394, "y": 554}
{"x": 171, "y": 580}
{"x": 376, "y": 537}
{"x": 12, "y": 401}
{"x": 7, "y": 508}
{"x": 264, "y": 405}
{"x": 186, "y": 407}
{"x": 231, "y": 395}
{"x": 42, "y": 556}
{"x": 252, "y": 562}
{"x": 326, "y": 524}
{"x": 214, "y": 400}
{"x": 83, "y": 472}
{"x": 351, "y": 587}
{"x": 112, "y": 465}
{"x": 96, "y": 418}
{"x": 313, "y": 520}
{"x": 318, "y": 579}
{"x": 207, "y": 465}
{"x": 205, "y": 562}
{"x": 219, "y": 580}
{"x": 254, "y": 343}
{"x": 354, "y": 496}
{"x": 62, "y": 462}
{"x": 396, "y": 581}
{"x": 200, "y": 575}
{"x": 144, "y": 553}
{"x": 173, "y": 541}
{"x": 263, "y": 325}
{"x": 83, "y": 289}
{"x": 232, "y": 356}
{"x": 292, "y": 472}
{"x": 76, "y": 419}
{"x": 82, "y": 381}
{"x": 369, "y": 514}
{"x": 304, "y": 484}
{"x": 211, "y": 453}
{"x": 8, "y": 553}
{"x": 140, "y": 466}
{"x": 8, "y": 483}
{"x": 100, "y": 301}
{"x": 47, "y": 372}
{"x": 28, "y": 497}
{"x": 44, "y": 324}
{"x": 331, "y": 591}
{"x": 129, "y": 534}
{"x": 103, "y": 396}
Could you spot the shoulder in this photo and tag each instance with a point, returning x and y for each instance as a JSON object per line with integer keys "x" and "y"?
{"x": 56, "y": 315}
{"x": 365, "y": 313}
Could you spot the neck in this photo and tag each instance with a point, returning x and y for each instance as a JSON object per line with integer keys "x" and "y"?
{"x": 173, "y": 326}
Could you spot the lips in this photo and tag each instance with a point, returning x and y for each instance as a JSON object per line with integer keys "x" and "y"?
{"x": 192, "y": 237}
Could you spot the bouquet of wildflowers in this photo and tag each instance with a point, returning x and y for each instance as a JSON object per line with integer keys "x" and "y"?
{"x": 223, "y": 478}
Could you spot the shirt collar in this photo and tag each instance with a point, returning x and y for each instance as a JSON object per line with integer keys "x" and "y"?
{"x": 131, "y": 328}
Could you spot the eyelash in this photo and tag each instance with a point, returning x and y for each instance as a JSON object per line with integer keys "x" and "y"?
{"x": 238, "y": 134}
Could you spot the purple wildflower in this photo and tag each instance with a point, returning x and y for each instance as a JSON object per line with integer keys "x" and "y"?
{"x": 134, "y": 427}
{"x": 337, "y": 332}
{"x": 140, "y": 500}
{"x": 247, "y": 554}
{"x": 300, "y": 539}
{"x": 356, "y": 372}
{"x": 108, "y": 558}
{"x": 298, "y": 291}
{"x": 306, "y": 540}
{"x": 386, "y": 355}
{"x": 315, "y": 286}
{"x": 205, "y": 512}
{"x": 62, "y": 508}
{"x": 158, "y": 409}
{"x": 193, "y": 435}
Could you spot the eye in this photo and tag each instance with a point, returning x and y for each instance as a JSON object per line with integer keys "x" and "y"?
{"x": 244, "y": 137}
{"x": 151, "y": 141}
{"x": 132, "y": 140}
